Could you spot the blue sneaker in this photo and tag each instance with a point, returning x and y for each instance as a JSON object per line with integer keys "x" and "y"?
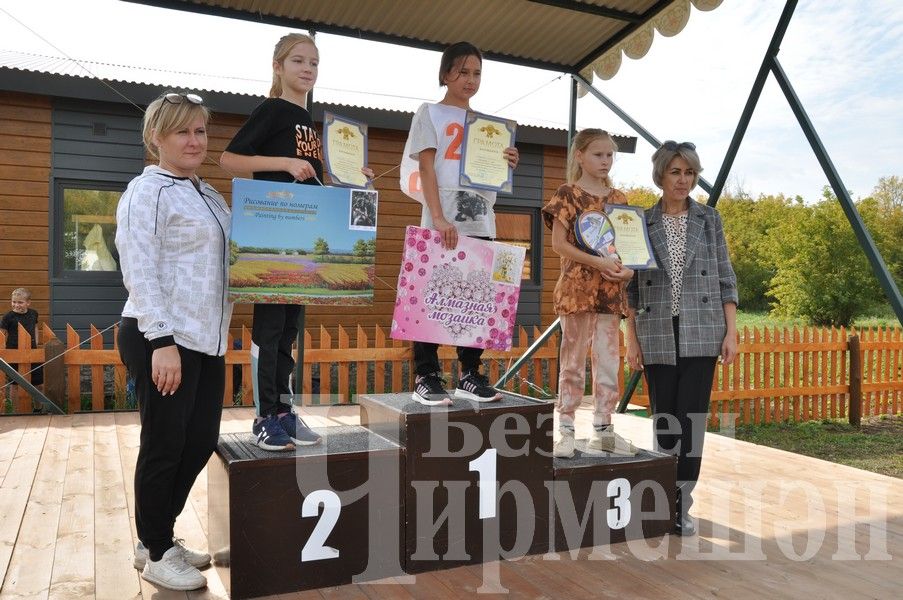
{"x": 270, "y": 435}
{"x": 297, "y": 430}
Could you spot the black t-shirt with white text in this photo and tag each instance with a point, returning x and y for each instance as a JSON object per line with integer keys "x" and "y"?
{"x": 278, "y": 127}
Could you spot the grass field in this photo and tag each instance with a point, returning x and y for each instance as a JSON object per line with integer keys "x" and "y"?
{"x": 877, "y": 445}
{"x": 763, "y": 319}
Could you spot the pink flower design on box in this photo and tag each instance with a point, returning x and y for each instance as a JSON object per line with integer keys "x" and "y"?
{"x": 467, "y": 296}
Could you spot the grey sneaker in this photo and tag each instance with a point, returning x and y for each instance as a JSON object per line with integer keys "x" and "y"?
{"x": 195, "y": 558}
{"x": 172, "y": 572}
{"x": 564, "y": 447}
{"x": 609, "y": 441}
{"x": 297, "y": 430}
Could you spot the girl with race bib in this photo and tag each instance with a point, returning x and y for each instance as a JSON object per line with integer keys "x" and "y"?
{"x": 430, "y": 174}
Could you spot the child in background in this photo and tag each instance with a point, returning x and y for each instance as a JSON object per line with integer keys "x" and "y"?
{"x": 279, "y": 143}
{"x": 430, "y": 174}
{"x": 589, "y": 295}
{"x": 23, "y": 314}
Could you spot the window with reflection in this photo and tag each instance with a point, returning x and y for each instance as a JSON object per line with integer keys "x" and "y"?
{"x": 87, "y": 227}
{"x": 516, "y": 227}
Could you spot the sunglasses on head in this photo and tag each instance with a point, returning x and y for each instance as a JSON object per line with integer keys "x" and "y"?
{"x": 174, "y": 98}
{"x": 672, "y": 146}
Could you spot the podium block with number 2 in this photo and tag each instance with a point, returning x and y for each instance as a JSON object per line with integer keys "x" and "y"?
{"x": 319, "y": 516}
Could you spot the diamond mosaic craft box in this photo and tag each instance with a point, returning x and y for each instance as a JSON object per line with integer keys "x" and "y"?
{"x": 463, "y": 297}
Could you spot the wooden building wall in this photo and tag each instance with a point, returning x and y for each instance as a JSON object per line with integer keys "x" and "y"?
{"x": 555, "y": 163}
{"x": 24, "y": 191}
{"x": 26, "y": 155}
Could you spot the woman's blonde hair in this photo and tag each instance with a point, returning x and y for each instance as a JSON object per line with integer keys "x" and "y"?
{"x": 163, "y": 116}
{"x": 281, "y": 52}
{"x": 579, "y": 144}
{"x": 662, "y": 157}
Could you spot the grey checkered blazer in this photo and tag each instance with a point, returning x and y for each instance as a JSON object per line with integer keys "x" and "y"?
{"x": 708, "y": 283}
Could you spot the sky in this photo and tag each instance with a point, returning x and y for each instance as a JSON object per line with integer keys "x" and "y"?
{"x": 843, "y": 58}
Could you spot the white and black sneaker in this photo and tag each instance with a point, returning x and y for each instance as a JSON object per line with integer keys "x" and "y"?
{"x": 430, "y": 390}
{"x": 474, "y": 386}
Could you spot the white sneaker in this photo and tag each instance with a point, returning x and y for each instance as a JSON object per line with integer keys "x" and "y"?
{"x": 564, "y": 447}
{"x": 173, "y": 573}
{"x": 609, "y": 441}
{"x": 195, "y": 558}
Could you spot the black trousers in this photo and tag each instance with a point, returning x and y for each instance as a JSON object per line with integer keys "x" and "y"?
{"x": 178, "y": 433}
{"x": 426, "y": 358}
{"x": 273, "y": 332}
{"x": 682, "y": 391}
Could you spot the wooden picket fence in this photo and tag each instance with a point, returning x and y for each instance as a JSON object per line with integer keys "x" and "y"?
{"x": 88, "y": 377}
{"x": 804, "y": 374}
{"x": 780, "y": 374}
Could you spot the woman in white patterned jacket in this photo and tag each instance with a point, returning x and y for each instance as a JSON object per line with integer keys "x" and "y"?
{"x": 682, "y": 316}
{"x": 172, "y": 234}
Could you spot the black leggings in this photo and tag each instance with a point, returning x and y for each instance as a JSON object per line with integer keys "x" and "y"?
{"x": 683, "y": 392}
{"x": 178, "y": 433}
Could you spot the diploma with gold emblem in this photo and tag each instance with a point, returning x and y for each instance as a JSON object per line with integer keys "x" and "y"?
{"x": 345, "y": 150}
{"x": 483, "y": 165}
{"x": 631, "y": 236}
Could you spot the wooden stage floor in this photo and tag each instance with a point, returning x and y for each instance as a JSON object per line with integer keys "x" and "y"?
{"x": 773, "y": 525}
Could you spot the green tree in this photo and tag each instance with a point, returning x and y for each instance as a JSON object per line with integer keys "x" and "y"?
{"x": 748, "y": 228}
{"x": 321, "y": 246}
{"x": 641, "y": 196}
{"x": 233, "y": 252}
{"x": 821, "y": 272}
{"x": 888, "y": 231}
{"x": 360, "y": 248}
{"x": 371, "y": 247}
{"x": 889, "y": 193}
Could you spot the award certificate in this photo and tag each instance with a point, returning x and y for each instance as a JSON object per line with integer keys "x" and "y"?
{"x": 631, "y": 236}
{"x": 483, "y": 166}
{"x": 345, "y": 150}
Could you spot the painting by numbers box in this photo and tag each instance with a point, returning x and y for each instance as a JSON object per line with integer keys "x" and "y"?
{"x": 301, "y": 244}
{"x": 315, "y": 517}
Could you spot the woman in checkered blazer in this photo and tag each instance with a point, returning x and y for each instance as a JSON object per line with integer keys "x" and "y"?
{"x": 682, "y": 316}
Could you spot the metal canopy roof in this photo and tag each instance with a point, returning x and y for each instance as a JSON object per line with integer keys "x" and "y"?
{"x": 573, "y": 36}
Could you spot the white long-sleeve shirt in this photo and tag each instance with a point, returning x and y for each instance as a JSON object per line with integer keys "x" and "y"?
{"x": 174, "y": 251}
